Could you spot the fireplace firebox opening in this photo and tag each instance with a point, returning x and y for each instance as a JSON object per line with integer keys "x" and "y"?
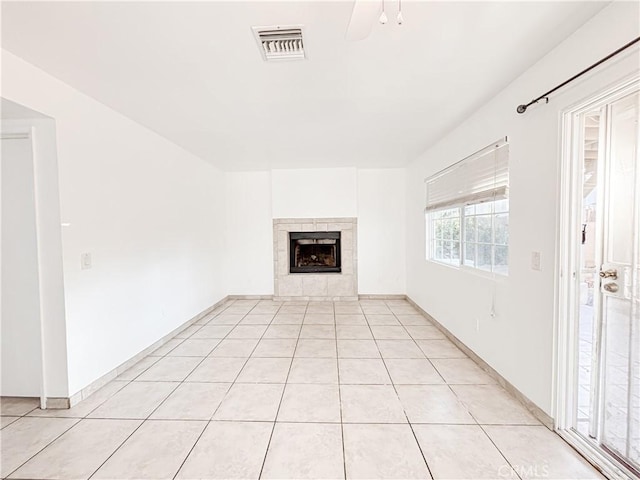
{"x": 314, "y": 252}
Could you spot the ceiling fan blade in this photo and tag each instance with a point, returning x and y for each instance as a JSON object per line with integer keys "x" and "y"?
{"x": 363, "y": 16}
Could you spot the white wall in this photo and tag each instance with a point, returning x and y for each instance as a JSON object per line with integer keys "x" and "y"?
{"x": 20, "y": 326}
{"x": 150, "y": 214}
{"x": 249, "y": 233}
{"x": 381, "y": 231}
{"x": 375, "y": 196}
{"x": 518, "y": 343}
{"x": 314, "y": 193}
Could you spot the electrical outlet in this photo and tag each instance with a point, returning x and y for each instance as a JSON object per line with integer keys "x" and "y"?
{"x": 535, "y": 261}
{"x": 85, "y": 261}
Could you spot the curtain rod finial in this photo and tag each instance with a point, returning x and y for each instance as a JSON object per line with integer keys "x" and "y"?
{"x": 521, "y": 108}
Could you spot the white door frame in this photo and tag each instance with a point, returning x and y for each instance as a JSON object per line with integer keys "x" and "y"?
{"x": 567, "y": 268}
{"x": 53, "y": 329}
{"x": 28, "y": 133}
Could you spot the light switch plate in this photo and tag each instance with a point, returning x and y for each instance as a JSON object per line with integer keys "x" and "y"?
{"x": 535, "y": 261}
{"x": 85, "y": 261}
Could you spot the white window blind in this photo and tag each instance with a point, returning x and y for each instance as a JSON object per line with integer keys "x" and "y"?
{"x": 481, "y": 177}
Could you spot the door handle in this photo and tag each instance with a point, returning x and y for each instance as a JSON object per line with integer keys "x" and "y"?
{"x": 611, "y": 273}
{"x": 611, "y": 287}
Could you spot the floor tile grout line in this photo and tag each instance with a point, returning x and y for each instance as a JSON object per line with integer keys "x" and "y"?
{"x": 86, "y": 416}
{"x": 181, "y": 342}
{"x": 154, "y": 410}
{"x": 184, "y": 460}
{"x": 404, "y": 410}
{"x": 457, "y": 397}
{"x": 315, "y": 421}
{"x": 497, "y": 448}
{"x": 230, "y": 384}
{"x": 208, "y": 422}
{"x": 311, "y": 383}
{"x": 18, "y": 417}
{"x": 148, "y": 356}
{"x": 79, "y": 420}
{"x": 221, "y": 400}
{"x": 15, "y": 419}
{"x": 440, "y": 374}
{"x": 142, "y": 422}
{"x": 344, "y": 453}
{"x": 24, "y": 414}
{"x": 235, "y": 380}
{"x": 284, "y": 389}
{"x": 39, "y": 451}
{"x": 121, "y": 444}
{"x": 179, "y": 383}
{"x": 127, "y": 383}
{"x": 318, "y": 383}
{"x": 415, "y": 437}
{"x": 465, "y": 357}
{"x": 400, "y": 402}
{"x": 527, "y": 425}
{"x": 445, "y": 382}
{"x": 417, "y": 345}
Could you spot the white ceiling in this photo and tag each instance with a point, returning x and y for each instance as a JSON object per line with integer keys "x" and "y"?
{"x": 192, "y": 71}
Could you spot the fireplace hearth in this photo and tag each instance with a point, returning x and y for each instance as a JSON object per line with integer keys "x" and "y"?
{"x": 314, "y": 252}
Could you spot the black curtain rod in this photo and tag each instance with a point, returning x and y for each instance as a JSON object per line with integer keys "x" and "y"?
{"x": 545, "y": 96}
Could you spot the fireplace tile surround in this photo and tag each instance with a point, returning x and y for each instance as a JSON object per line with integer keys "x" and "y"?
{"x": 315, "y": 286}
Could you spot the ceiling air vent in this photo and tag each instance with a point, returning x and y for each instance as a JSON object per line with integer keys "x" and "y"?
{"x": 280, "y": 43}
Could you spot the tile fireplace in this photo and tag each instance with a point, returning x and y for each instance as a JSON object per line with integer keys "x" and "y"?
{"x": 315, "y": 258}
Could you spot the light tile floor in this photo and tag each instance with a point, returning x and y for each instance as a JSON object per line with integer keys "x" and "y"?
{"x": 260, "y": 389}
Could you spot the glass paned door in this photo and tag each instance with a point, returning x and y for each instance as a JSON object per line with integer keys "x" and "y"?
{"x": 606, "y": 399}
{"x": 619, "y": 284}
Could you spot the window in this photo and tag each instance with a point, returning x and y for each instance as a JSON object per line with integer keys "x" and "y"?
{"x": 468, "y": 212}
{"x": 486, "y": 232}
{"x": 445, "y": 236}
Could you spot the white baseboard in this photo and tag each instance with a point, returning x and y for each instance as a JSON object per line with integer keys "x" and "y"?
{"x": 381, "y": 296}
